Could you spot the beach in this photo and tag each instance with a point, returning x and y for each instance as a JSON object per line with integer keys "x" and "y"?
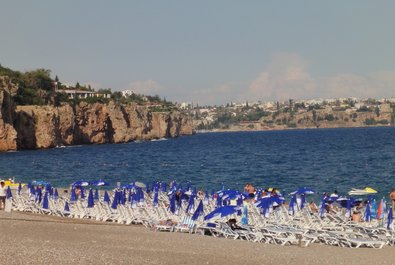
{"x": 40, "y": 239}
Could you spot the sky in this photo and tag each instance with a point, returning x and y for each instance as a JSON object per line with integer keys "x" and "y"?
{"x": 208, "y": 51}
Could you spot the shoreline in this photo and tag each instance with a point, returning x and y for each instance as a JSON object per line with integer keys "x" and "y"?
{"x": 43, "y": 239}
{"x": 289, "y": 129}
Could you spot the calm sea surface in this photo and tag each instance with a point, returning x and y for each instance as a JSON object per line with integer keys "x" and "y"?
{"x": 323, "y": 159}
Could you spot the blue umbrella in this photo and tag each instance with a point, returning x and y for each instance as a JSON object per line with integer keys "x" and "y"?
{"x": 219, "y": 202}
{"x": 367, "y": 212}
{"x": 348, "y": 208}
{"x": 172, "y": 206}
{"x": 82, "y": 194}
{"x": 191, "y": 204}
{"x": 56, "y": 194}
{"x": 73, "y": 195}
{"x": 303, "y": 190}
{"x": 91, "y": 202}
{"x": 373, "y": 210}
{"x": 106, "y": 197}
{"x": 222, "y": 212}
{"x": 96, "y": 197}
{"x": 39, "y": 183}
{"x": 66, "y": 207}
{"x": 244, "y": 218}
{"x": 198, "y": 212}
{"x": 303, "y": 200}
{"x": 50, "y": 191}
{"x": 292, "y": 205}
{"x": 163, "y": 186}
{"x": 99, "y": 183}
{"x": 121, "y": 197}
{"x": 115, "y": 200}
{"x": 19, "y": 188}
{"x": 9, "y": 193}
{"x": 39, "y": 194}
{"x": 81, "y": 183}
{"x": 390, "y": 218}
{"x": 156, "y": 199}
{"x": 323, "y": 207}
{"x": 45, "y": 201}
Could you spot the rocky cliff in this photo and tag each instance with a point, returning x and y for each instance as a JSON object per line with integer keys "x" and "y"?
{"x": 32, "y": 127}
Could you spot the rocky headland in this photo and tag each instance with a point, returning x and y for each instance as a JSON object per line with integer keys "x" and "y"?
{"x": 47, "y": 126}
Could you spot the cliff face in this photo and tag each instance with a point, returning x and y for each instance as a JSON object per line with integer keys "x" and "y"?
{"x": 8, "y": 134}
{"x": 32, "y": 127}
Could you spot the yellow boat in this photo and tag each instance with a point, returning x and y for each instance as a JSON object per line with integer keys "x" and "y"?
{"x": 11, "y": 183}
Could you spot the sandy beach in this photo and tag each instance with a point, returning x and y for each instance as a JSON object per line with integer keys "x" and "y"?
{"x": 38, "y": 239}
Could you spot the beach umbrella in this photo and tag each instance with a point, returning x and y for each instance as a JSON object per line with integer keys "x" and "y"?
{"x": 198, "y": 212}
{"x": 191, "y": 204}
{"x": 380, "y": 211}
{"x": 219, "y": 202}
{"x": 172, "y": 206}
{"x": 115, "y": 200}
{"x": 96, "y": 196}
{"x": 82, "y": 183}
{"x": 9, "y": 193}
{"x": 91, "y": 202}
{"x": 389, "y": 219}
{"x": 45, "y": 201}
{"x": 73, "y": 195}
{"x": 303, "y": 190}
{"x": 56, "y": 194}
{"x": 106, "y": 197}
{"x": 50, "y": 191}
{"x": 222, "y": 212}
{"x": 292, "y": 205}
{"x": 82, "y": 194}
{"x": 66, "y": 207}
{"x": 147, "y": 190}
{"x": 348, "y": 208}
{"x": 39, "y": 183}
{"x": 99, "y": 183}
{"x": 303, "y": 200}
{"x": 122, "y": 199}
{"x": 163, "y": 186}
{"x": 322, "y": 209}
{"x": 156, "y": 199}
{"x": 244, "y": 218}
{"x": 367, "y": 213}
{"x": 39, "y": 194}
{"x": 19, "y": 188}
{"x": 373, "y": 210}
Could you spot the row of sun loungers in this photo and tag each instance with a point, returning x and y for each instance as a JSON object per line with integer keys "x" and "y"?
{"x": 279, "y": 227}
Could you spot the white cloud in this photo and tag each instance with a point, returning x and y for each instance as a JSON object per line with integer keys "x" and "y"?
{"x": 287, "y": 76}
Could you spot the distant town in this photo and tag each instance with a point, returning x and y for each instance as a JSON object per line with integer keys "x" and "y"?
{"x": 312, "y": 113}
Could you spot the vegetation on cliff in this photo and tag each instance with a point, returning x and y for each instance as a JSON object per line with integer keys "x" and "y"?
{"x": 37, "y": 87}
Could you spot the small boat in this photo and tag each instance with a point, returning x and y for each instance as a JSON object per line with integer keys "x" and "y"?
{"x": 11, "y": 183}
{"x": 365, "y": 191}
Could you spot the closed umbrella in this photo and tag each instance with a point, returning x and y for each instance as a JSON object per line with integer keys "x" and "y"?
{"x": 82, "y": 194}
{"x": 73, "y": 195}
{"x": 66, "y": 207}
{"x": 198, "y": 212}
{"x": 156, "y": 198}
{"x": 292, "y": 205}
{"x": 96, "y": 196}
{"x": 172, "y": 206}
{"x": 389, "y": 219}
{"x": 91, "y": 202}
{"x": 367, "y": 212}
{"x": 191, "y": 204}
{"x": 56, "y": 194}
{"x": 45, "y": 201}
{"x": 106, "y": 197}
{"x": 115, "y": 200}
{"x": 19, "y": 188}
{"x": 323, "y": 207}
{"x": 9, "y": 193}
{"x": 244, "y": 218}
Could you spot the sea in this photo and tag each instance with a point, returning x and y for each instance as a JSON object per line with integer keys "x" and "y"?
{"x": 321, "y": 159}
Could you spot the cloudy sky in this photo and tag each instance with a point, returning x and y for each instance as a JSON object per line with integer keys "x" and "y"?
{"x": 208, "y": 52}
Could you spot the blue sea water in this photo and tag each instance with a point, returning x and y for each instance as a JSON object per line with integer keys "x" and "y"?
{"x": 323, "y": 159}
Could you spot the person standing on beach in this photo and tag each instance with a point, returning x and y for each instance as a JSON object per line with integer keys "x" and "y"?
{"x": 2, "y": 194}
{"x": 392, "y": 197}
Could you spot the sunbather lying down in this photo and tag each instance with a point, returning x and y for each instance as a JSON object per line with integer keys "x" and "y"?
{"x": 233, "y": 224}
